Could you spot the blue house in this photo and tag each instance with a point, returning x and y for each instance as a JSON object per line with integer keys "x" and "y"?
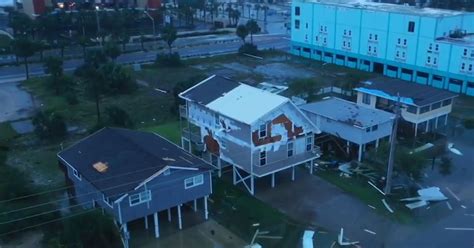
{"x": 133, "y": 175}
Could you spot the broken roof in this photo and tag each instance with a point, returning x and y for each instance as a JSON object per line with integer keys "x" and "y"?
{"x": 348, "y": 112}
{"x": 236, "y": 100}
{"x": 131, "y": 157}
{"x": 410, "y": 93}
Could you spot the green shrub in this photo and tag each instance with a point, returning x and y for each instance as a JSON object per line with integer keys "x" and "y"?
{"x": 49, "y": 125}
{"x": 169, "y": 60}
{"x": 117, "y": 117}
{"x": 469, "y": 123}
{"x": 249, "y": 49}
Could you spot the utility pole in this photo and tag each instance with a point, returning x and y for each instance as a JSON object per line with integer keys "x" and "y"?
{"x": 393, "y": 143}
{"x": 98, "y": 24}
{"x": 154, "y": 28}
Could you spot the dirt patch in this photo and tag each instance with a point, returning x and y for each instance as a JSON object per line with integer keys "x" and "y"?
{"x": 283, "y": 71}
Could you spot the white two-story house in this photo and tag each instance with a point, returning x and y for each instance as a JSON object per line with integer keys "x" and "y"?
{"x": 256, "y": 132}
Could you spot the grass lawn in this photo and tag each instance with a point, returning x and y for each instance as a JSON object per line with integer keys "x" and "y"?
{"x": 239, "y": 212}
{"x": 6, "y": 132}
{"x": 366, "y": 193}
{"x": 168, "y": 130}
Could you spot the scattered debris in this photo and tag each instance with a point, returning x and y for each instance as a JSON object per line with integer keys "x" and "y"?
{"x": 345, "y": 169}
{"x": 463, "y": 206}
{"x": 454, "y": 150}
{"x": 452, "y": 193}
{"x": 372, "y": 207}
{"x": 168, "y": 159}
{"x": 422, "y": 148}
{"x": 449, "y": 206}
{"x": 308, "y": 239}
{"x": 252, "y": 56}
{"x": 369, "y": 231}
{"x": 424, "y": 197}
{"x": 161, "y": 90}
{"x": 256, "y": 224}
{"x": 472, "y": 215}
{"x": 341, "y": 242}
{"x": 459, "y": 228}
{"x": 387, "y": 206}
{"x": 373, "y": 185}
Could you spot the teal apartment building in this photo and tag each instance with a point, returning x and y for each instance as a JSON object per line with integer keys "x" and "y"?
{"x": 427, "y": 46}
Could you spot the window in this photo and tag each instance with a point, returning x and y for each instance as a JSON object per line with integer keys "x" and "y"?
{"x": 139, "y": 198}
{"x": 424, "y": 109}
{"x": 262, "y": 131}
{"x": 430, "y": 46}
{"x": 216, "y": 120}
{"x": 374, "y": 128}
{"x": 404, "y": 42}
{"x": 376, "y": 37}
{"x": 465, "y": 52}
{"x": 367, "y": 129}
{"x": 428, "y": 60}
{"x": 306, "y": 25}
{"x": 375, "y": 49}
{"x": 350, "y": 33}
{"x": 193, "y": 181}
{"x": 436, "y": 105}
{"x": 263, "y": 158}
{"x": 309, "y": 143}
{"x": 463, "y": 66}
{"x": 345, "y": 32}
{"x": 321, "y": 28}
{"x": 398, "y": 54}
{"x": 399, "y": 41}
{"x": 297, "y": 24}
{"x": 447, "y": 102}
{"x": 436, "y": 47}
{"x": 470, "y": 67}
{"x": 325, "y": 28}
{"x": 435, "y": 61}
{"x": 297, "y": 11}
{"x": 366, "y": 98}
{"x": 108, "y": 201}
{"x": 76, "y": 174}
{"x": 344, "y": 44}
{"x": 411, "y": 27}
{"x": 403, "y": 54}
{"x": 167, "y": 172}
{"x": 370, "y": 36}
{"x": 349, "y": 44}
{"x": 290, "y": 149}
{"x": 412, "y": 109}
{"x": 324, "y": 41}
{"x": 317, "y": 38}
{"x": 370, "y": 49}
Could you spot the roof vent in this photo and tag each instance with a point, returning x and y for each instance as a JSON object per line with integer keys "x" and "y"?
{"x": 100, "y": 167}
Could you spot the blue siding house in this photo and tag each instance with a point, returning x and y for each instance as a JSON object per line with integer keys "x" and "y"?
{"x": 133, "y": 175}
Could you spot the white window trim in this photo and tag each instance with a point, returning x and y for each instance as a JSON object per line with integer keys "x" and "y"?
{"x": 195, "y": 181}
{"x": 76, "y": 174}
{"x": 167, "y": 172}
{"x": 311, "y": 143}
{"x": 105, "y": 199}
{"x": 140, "y": 196}
{"x": 260, "y": 131}
{"x": 260, "y": 158}
{"x": 292, "y": 149}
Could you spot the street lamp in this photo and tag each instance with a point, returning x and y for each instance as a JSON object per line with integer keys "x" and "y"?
{"x": 153, "y": 23}
{"x": 98, "y": 24}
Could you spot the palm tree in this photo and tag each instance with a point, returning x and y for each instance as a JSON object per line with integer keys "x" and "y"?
{"x": 24, "y": 48}
{"x": 169, "y": 35}
{"x": 253, "y": 28}
{"x": 257, "y": 9}
{"x": 54, "y": 67}
{"x": 249, "y": 7}
{"x": 242, "y": 32}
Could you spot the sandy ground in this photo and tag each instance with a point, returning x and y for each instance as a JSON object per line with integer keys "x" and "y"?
{"x": 15, "y": 103}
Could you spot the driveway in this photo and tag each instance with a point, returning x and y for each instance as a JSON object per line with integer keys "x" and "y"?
{"x": 15, "y": 103}
{"x": 310, "y": 198}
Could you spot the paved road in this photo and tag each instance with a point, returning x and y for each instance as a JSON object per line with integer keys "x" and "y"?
{"x": 17, "y": 73}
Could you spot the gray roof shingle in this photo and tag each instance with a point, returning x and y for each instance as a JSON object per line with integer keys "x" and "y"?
{"x": 131, "y": 157}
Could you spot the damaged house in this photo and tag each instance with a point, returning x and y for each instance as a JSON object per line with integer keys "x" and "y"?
{"x": 424, "y": 109}
{"x": 134, "y": 175}
{"x": 255, "y": 132}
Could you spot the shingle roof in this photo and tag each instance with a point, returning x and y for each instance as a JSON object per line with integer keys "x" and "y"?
{"x": 131, "y": 157}
{"x": 348, "y": 112}
{"x": 209, "y": 89}
{"x": 410, "y": 93}
{"x": 238, "y": 101}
